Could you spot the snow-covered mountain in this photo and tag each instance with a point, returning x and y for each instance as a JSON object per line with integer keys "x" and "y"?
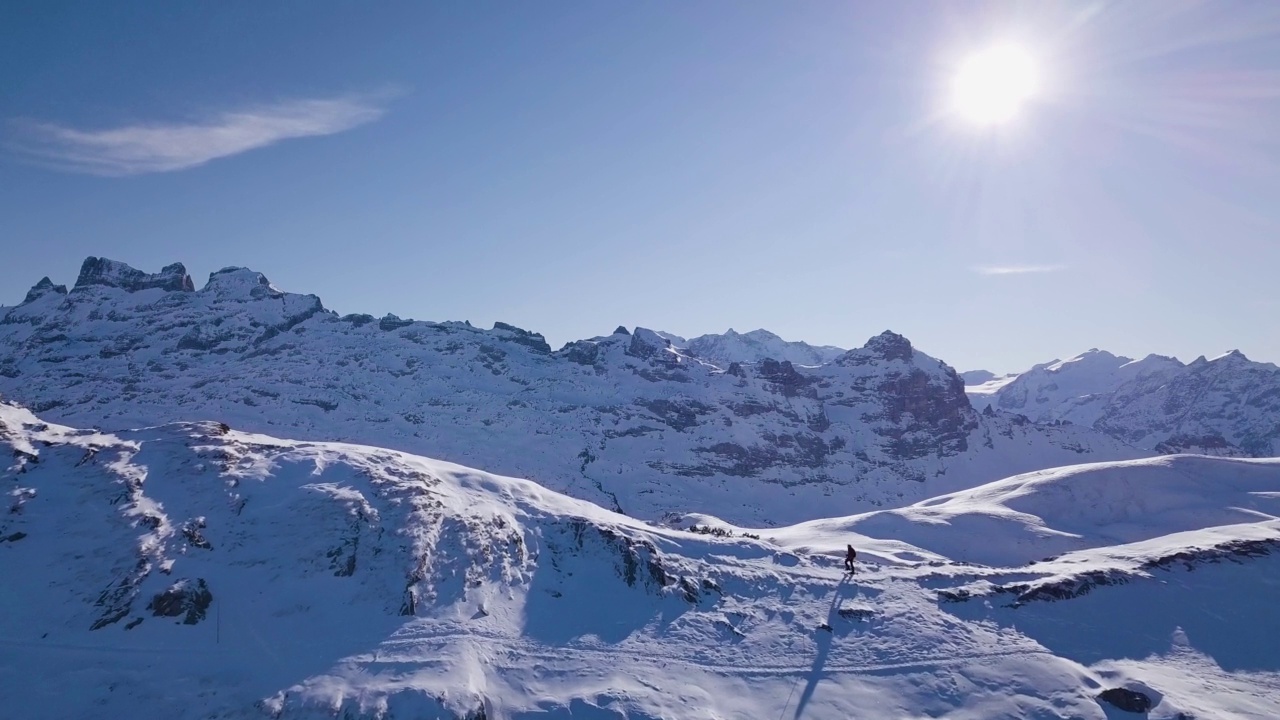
{"x": 197, "y": 571}
{"x": 1077, "y": 389}
{"x": 626, "y": 420}
{"x": 977, "y": 377}
{"x": 1228, "y": 405}
{"x": 753, "y": 347}
{"x": 982, "y": 385}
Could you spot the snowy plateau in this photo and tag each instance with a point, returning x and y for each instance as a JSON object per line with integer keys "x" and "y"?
{"x": 221, "y": 503}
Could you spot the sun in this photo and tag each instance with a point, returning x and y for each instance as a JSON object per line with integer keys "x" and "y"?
{"x": 991, "y": 86}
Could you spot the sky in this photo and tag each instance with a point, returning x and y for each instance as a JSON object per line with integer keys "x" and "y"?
{"x": 569, "y": 167}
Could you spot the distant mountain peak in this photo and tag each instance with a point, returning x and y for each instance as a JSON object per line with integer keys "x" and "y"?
{"x": 889, "y": 345}
{"x": 1231, "y": 356}
{"x": 977, "y": 377}
{"x": 42, "y": 288}
{"x": 113, "y": 273}
{"x": 240, "y": 281}
{"x": 754, "y": 346}
{"x": 1092, "y": 357}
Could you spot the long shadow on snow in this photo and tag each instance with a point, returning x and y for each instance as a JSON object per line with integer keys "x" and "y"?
{"x": 1226, "y": 610}
{"x": 824, "y": 639}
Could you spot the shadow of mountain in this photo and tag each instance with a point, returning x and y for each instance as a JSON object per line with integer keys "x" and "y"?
{"x": 592, "y": 582}
{"x": 1226, "y": 611}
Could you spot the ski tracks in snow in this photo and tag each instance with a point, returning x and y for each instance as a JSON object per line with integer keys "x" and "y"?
{"x": 427, "y": 649}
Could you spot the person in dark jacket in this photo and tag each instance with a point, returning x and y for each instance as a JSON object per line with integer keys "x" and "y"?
{"x": 849, "y": 557}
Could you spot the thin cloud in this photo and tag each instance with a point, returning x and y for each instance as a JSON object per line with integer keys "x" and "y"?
{"x": 159, "y": 147}
{"x": 1016, "y": 269}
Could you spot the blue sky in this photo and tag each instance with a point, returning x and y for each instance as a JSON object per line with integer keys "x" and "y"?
{"x": 569, "y": 167}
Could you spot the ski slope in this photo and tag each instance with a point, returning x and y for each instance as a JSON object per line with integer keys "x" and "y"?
{"x": 238, "y": 575}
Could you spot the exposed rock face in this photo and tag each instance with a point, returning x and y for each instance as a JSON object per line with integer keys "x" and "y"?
{"x": 1212, "y": 444}
{"x": 1127, "y": 700}
{"x": 922, "y": 399}
{"x": 627, "y": 420}
{"x": 42, "y": 288}
{"x": 186, "y": 598}
{"x": 524, "y": 337}
{"x": 889, "y": 345}
{"x": 1231, "y": 397}
{"x": 110, "y": 273}
{"x": 241, "y": 282}
{"x": 1072, "y": 585}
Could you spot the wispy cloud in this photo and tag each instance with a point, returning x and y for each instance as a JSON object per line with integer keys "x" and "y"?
{"x": 164, "y": 147}
{"x": 1016, "y": 269}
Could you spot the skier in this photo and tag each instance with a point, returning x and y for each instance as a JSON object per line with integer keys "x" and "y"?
{"x": 849, "y": 556}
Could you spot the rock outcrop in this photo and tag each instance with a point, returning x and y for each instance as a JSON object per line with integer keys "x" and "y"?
{"x": 110, "y": 273}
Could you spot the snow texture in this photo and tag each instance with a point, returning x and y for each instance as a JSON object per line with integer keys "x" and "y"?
{"x": 197, "y": 571}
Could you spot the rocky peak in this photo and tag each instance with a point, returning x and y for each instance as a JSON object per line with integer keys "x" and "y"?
{"x": 646, "y": 343}
{"x": 886, "y": 346}
{"x": 42, "y": 288}
{"x": 1154, "y": 359}
{"x": 1231, "y": 357}
{"x": 240, "y": 282}
{"x": 889, "y": 345}
{"x": 621, "y": 330}
{"x": 112, "y": 273}
{"x": 523, "y": 337}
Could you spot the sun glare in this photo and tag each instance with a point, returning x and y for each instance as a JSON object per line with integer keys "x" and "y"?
{"x": 991, "y": 86}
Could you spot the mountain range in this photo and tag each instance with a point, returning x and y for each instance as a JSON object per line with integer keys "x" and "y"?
{"x": 1227, "y": 405}
{"x": 629, "y": 420}
{"x": 231, "y": 502}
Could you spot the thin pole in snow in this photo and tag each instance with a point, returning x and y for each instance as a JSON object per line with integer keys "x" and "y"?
{"x": 788, "y": 703}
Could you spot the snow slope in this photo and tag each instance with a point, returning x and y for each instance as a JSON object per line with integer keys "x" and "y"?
{"x": 982, "y": 385}
{"x": 626, "y": 420}
{"x": 1024, "y": 518}
{"x": 196, "y": 571}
